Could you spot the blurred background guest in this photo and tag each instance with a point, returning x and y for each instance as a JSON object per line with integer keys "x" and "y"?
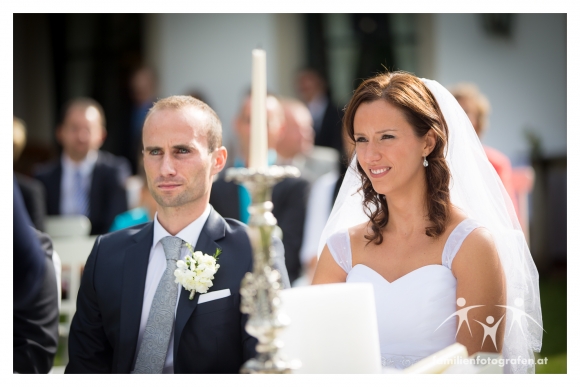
{"x": 477, "y": 108}
{"x": 32, "y": 190}
{"x": 85, "y": 180}
{"x": 313, "y": 90}
{"x": 320, "y": 202}
{"x": 288, "y": 196}
{"x": 143, "y": 88}
{"x": 35, "y": 297}
{"x": 35, "y": 327}
{"x": 296, "y": 143}
{"x": 143, "y": 212}
{"x": 28, "y": 257}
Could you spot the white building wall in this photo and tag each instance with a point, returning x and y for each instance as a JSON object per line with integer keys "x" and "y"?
{"x": 524, "y": 77}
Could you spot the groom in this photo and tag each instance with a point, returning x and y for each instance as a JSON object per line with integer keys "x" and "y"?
{"x": 131, "y": 315}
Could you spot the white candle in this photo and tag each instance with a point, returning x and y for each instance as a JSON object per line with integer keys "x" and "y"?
{"x": 258, "y": 157}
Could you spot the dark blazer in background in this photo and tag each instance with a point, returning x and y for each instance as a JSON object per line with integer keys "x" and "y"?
{"x": 289, "y": 198}
{"x": 330, "y": 132}
{"x": 107, "y": 198}
{"x": 35, "y": 326}
{"x": 209, "y": 338}
{"x": 28, "y": 259}
{"x": 34, "y": 196}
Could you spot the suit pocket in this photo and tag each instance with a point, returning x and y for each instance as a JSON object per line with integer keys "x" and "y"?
{"x": 214, "y": 306}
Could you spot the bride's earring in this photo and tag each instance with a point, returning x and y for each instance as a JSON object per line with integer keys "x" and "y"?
{"x": 425, "y": 162}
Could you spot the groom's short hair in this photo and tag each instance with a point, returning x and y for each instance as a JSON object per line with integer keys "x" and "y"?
{"x": 213, "y": 124}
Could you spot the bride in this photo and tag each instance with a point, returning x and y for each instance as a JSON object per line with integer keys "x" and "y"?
{"x": 422, "y": 215}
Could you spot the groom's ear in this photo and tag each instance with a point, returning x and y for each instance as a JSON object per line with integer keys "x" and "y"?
{"x": 430, "y": 142}
{"x": 219, "y": 158}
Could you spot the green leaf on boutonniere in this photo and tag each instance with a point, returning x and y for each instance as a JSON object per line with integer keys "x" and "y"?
{"x": 217, "y": 253}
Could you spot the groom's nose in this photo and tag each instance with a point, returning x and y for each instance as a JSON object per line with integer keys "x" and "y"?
{"x": 167, "y": 165}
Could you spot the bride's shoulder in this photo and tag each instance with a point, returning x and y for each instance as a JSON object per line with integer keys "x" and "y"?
{"x": 358, "y": 230}
{"x": 477, "y": 246}
{"x": 347, "y": 235}
{"x": 476, "y": 234}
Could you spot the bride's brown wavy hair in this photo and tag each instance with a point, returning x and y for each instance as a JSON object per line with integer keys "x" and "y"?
{"x": 415, "y": 100}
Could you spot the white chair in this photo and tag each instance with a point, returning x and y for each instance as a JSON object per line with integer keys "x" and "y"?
{"x": 333, "y": 328}
{"x": 73, "y": 253}
{"x": 67, "y": 226}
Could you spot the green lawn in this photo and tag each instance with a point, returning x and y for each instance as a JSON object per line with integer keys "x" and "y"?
{"x": 553, "y": 295}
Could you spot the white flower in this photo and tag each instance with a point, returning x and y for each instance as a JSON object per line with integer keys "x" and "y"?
{"x": 196, "y": 271}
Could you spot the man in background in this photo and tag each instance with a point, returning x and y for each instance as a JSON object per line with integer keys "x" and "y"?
{"x": 85, "y": 180}
{"x": 143, "y": 88}
{"x": 313, "y": 90}
{"x": 296, "y": 147}
{"x": 288, "y": 196}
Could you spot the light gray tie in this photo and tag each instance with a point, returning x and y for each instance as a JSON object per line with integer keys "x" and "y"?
{"x": 153, "y": 350}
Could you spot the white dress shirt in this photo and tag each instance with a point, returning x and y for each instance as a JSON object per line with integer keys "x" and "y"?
{"x": 68, "y": 201}
{"x": 156, "y": 267}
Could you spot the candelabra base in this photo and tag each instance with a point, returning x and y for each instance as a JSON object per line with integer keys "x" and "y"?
{"x": 259, "y": 366}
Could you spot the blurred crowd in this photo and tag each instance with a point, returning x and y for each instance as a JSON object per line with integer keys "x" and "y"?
{"x": 111, "y": 191}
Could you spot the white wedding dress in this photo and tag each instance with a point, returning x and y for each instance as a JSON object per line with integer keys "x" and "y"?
{"x": 411, "y": 308}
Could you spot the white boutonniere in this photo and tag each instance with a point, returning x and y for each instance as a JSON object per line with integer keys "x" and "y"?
{"x": 196, "y": 271}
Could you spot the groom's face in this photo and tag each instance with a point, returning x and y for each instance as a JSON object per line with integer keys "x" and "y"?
{"x": 178, "y": 164}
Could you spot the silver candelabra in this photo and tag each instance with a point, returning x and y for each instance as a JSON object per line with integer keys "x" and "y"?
{"x": 260, "y": 288}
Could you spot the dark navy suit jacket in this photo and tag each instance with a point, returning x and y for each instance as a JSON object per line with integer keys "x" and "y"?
{"x": 209, "y": 338}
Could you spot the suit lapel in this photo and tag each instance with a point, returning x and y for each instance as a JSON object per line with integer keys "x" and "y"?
{"x": 214, "y": 229}
{"x": 134, "y": 275}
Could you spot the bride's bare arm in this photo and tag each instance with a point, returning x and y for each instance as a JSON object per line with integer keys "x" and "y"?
{"x": 327, "y": 270}
{"x": 480, "y": 281}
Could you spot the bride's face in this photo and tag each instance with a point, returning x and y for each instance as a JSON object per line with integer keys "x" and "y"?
{"x": 387, "y": 148}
